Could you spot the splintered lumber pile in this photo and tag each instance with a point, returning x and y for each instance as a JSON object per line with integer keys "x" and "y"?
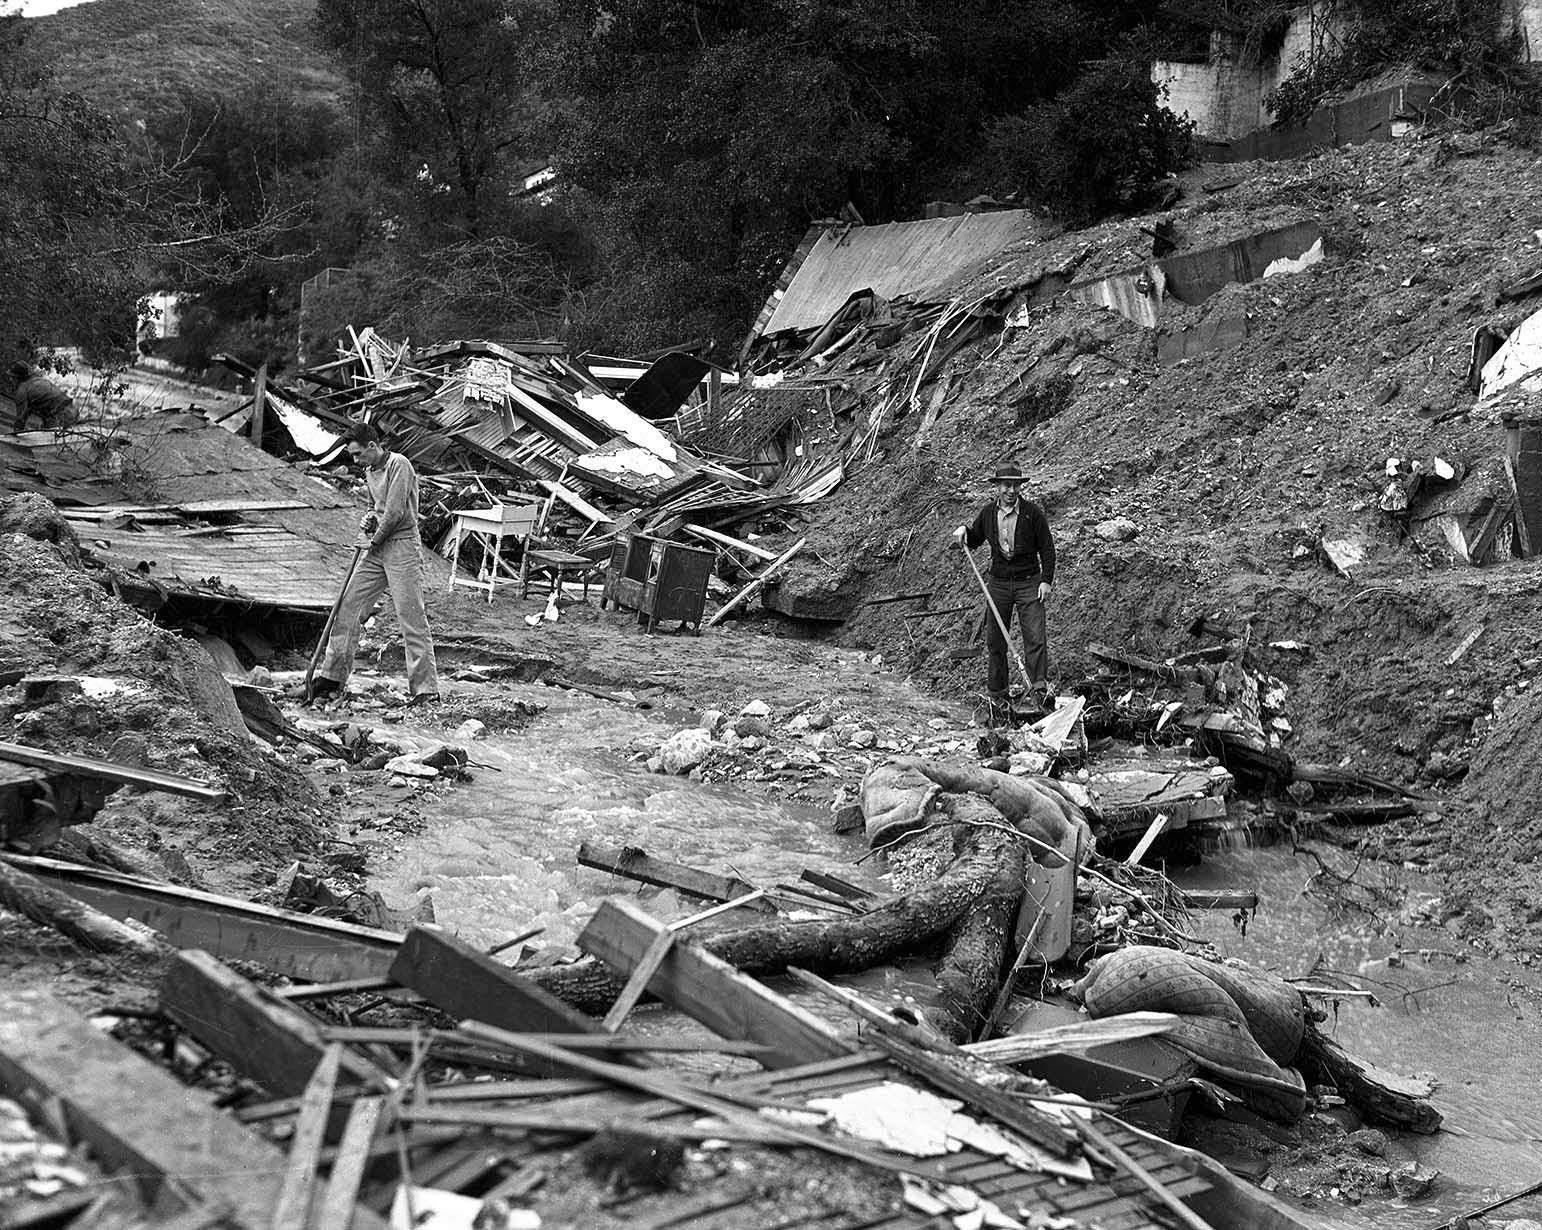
{"x": 374, "y": 1113}
{"x": 839, "y": 945}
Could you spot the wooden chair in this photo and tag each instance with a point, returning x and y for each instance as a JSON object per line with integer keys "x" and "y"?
{"x": 544, "y": 558}
{"x": 488, "y": 527}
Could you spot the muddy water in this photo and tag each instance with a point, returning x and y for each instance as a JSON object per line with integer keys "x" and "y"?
{"x": 1475, "y": 1023}
{"x": 497, "y": 856}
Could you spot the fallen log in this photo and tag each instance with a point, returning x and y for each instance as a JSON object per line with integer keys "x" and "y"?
{"x": 26, "y": 894}
{"x": 970, "y": 976}
{"x": 1383, "y": 1096}
{"x": 835, "y": 946}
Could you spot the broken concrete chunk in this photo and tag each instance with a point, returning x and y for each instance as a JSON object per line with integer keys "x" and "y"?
{"x": 756, "y": 708}
{"x": 1370, "y": 1141}
{"x": 470, "y": 729}
{"x": 863, "y": 738}
{"x": 712, "y": 720}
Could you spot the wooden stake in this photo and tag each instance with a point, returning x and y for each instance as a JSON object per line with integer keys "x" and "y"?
{"x": 259, "y": 405}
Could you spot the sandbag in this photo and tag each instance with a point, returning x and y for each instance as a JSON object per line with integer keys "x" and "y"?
{"x": 1025, "y": 802}
{"x": 1214, "y": 1027}
{"x": 896, "y": 798}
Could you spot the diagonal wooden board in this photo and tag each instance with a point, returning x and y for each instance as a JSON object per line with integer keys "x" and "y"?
{"x": 258, "y": 1033}
{"x": 301, "y": 945}
{"x": 709, "y": 989}
{"x": 135, "y": 1117}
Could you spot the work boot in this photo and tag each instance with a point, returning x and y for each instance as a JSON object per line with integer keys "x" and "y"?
{"x": 423, "y": 698}
{"x": 322, "y": 688}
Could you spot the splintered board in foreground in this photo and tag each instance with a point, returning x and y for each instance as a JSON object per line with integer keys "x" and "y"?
{"x": 709, "y": 989}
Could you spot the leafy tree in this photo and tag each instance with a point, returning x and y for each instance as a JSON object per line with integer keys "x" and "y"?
{"x": 447, "y": 83}
{"x": 86, "y": 218}
{"x": 1099, "y": 148}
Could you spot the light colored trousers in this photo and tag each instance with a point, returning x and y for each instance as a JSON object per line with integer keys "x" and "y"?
{"x": 397, "y": 566}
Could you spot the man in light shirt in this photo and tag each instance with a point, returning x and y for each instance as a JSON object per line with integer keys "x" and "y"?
{"x": 393, "y": 559}
{"x": 1022, "y": 572}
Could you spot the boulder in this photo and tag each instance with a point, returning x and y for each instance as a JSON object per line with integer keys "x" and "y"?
{"x": 1116, "y": 529}
{"x": 684, "y": 750}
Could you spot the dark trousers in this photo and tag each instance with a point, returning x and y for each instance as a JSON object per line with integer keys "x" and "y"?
{"x": 1023, "y": 597}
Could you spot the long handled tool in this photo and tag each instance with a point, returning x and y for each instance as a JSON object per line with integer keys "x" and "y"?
{"x": 326, "y": 628}
{"x": 1006, "y": 633}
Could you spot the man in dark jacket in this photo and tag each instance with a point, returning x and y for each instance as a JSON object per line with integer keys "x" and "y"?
{"x": 1022, "y": 570}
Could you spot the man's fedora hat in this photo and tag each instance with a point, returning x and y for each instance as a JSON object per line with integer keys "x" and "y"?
{"x": 1007, "y": 474}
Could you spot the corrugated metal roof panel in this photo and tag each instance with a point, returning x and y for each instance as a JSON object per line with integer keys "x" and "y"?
{"x": 899, "y": 258}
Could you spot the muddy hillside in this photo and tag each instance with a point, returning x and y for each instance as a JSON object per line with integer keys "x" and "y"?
{"x": 1199, "y": 492}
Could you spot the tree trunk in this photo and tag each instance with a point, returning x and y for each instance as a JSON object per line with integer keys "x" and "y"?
{"x": 30, "y": 896}
{"x": 838, "y": 946}
{"x": 1379, "y": 1095}
{"x": 980, "y": 946}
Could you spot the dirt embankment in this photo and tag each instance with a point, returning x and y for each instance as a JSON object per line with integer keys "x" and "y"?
{"x": 131, "y": 691}
{"x": 1226, "y": 463}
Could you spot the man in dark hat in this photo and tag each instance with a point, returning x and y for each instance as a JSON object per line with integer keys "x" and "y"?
{"x": 1022, "y": 570}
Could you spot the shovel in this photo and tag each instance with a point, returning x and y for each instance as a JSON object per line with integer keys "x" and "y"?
{"x": 326, "y": 628}
{"x": 996, "y": 615}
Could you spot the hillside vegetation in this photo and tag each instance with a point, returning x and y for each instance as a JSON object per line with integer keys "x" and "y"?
{"x": 138, "y": 59}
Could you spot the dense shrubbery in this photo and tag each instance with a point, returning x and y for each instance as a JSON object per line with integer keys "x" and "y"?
{"x": 1466, "y": 38}
{"x": 696, "y": 142}
{"x": 1101, "y": 147}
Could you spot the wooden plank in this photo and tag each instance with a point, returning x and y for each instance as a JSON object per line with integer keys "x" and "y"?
{"x": 549, "y": 424}
{"x": 294, "y": 1199}
{"x": 637, "y": 982}
{"x": 639, "y": 865}
{"x": 683, "y": 1094}
{"x": 260, "y": 1035}
{"x": 710, "y": 990}
{"x": 259, "y": 406}
{"x": 576, "y": 502}
{"x": 179, "y": 1150}
{"x": 726, "y": 540}
{"x": 299, "y": 945}
{"x": 466, "y": 982}
{"x": 128, "y": 775}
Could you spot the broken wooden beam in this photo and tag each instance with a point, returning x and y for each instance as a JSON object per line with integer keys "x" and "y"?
{"x": 138, "y": 1121}
{"x": 708, "y": 989}
{"x": 300, "y": 945}
{"x": 123, "y": 774}
{"x": 25, "y": 894}
{"x": 253, "y": 1030}
{"x": 639, "y": 865}
{"x": 465, "y": 982}
{"x": 727, "y": 540}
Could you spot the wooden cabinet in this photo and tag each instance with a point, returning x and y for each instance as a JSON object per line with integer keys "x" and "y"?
{"x": 659, "y": 579}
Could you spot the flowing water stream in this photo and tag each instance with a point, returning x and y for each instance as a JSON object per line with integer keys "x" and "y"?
{"x": 497, "y": 856}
